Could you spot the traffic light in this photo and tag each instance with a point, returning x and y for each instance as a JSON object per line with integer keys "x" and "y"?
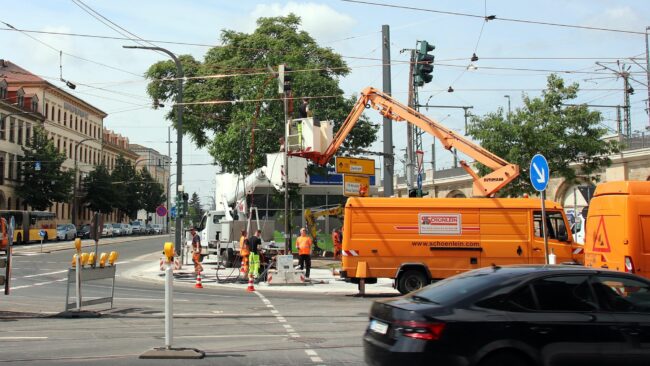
{"x": 424, "y": 63}
{"x": 284, "y": 79}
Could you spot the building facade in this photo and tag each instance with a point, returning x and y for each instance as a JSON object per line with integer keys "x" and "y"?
{"x": 158, "y": 166}
{"x": 19, "y": 114}
{"x": 74, "y": 126}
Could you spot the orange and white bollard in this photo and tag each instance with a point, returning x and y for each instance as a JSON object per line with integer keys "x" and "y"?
{"x": 198, "y": 280}
{"x": 251, "y": 287}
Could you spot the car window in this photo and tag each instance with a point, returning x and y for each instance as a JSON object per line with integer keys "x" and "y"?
{"x": 564, "y": 293}
{"x": 622, "y": 294}
{"x": 554, "y": 225}
{"x": 456, "y": 288}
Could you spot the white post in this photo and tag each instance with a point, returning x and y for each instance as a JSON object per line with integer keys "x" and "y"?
{"x": 546, "y": 251}
{"x": 78, "y": 279}
{"x": 169, "y": 305}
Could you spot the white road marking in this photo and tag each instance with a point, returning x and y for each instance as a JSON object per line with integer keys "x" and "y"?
{"x": 45, "y": 274}
{"x": 313, "y": 355}
{"x": 38, "y": 284}
{"x": 232, "y": 336}
{"x": 22, "y": 338}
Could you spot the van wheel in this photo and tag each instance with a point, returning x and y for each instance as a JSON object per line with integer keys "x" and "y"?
{"x": 230, "y": 257}
{"x": 410, "y": 281}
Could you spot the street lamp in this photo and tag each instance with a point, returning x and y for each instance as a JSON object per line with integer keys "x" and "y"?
{"x": 74, "y": 188}
{"x": 169, "y": 188}
{"x": 508, "y": 96}
{"x": 179, "y": 132}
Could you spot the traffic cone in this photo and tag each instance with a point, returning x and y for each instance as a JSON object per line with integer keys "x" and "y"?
{"x": 198, "y": 280}
{"x": 250, "y": 288}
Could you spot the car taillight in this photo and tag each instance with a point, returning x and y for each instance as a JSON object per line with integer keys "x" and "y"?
{"x": 429, "y": 331}
{"x": 629, "y": 264}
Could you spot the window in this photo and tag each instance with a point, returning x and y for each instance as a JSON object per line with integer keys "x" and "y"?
{"x": 47, "y": 111}
{"x": 623, "y": 294}
{"x": 2, "y": 128}
{"x": 564, "y": 293}
{"x": 21, "y": 101}
{"x": 10, "y": 172}
{"x": 3, "y": 89}
{"x": 554, "y": 225}
{"x": 58, "y": 115}
{"x": 20, "y": 133}
{"x": 12, "y": 127}
{"x": 65, "y": 118}
{"x": 2, "y": 170}
{"x": 28, "y": 132}
{"x": 34, "y": 105}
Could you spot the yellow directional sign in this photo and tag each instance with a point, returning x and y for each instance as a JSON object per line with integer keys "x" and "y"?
{"x": 356, "y": 185}
{"x": 345, "y": 165}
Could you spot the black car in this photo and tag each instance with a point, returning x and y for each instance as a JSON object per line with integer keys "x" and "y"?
{"x": 516, "y": 316}
{"x": 84, "y": 232}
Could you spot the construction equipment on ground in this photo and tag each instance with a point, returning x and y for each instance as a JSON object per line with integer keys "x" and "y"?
{"x": 312, "y": 214}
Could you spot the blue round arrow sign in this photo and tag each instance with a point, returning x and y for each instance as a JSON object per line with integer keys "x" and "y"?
{"x": 539, "y": 172}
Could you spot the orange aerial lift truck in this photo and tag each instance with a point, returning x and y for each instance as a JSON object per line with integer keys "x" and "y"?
{"x": 418, "y": 240}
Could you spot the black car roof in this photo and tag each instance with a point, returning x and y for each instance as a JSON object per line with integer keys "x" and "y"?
{"x": 539, "y": 269}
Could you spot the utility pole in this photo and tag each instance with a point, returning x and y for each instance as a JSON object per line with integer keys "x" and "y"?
{"x": 647, "y": 72}
{"x": 624, "y": 73}
{"x": 169, "y": 172}
{"x": 389, "y": 160}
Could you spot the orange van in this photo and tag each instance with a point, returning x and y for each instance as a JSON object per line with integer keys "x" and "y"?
{"x": 618, "y": 227}
{"x": 418, "y": 240}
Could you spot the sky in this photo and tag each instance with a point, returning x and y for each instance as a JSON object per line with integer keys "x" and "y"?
{"x": 515, "y": 55}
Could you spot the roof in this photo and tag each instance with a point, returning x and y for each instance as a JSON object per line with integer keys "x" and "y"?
{"x": 18, "y": 76}
{"x": 448, "y": 203}
{"x": 628, "y": 187}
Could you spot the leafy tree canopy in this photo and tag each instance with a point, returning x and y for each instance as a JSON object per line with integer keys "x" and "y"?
{"x": 43, "y": 181}
{"x": 195, "y": 210}
{"x": 153, "y": 193}
{"x": 100, "y": 190}
{"x": 128, "y": 184}
{"x": 225, "y": 128}
{"x": 568, "y": 136}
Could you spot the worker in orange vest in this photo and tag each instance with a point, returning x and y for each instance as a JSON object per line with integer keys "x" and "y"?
{"x": 304, "y": 243}
{"x": 244, "y": 251}
{"x": 336, "y": 240}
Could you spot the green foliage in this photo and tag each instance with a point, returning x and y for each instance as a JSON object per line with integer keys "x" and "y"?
{"x": 568, "y": 136}
{"x": 225, "y": 128}
{"x": 128, "y": 185}
{"x": 153, "y": 193}
{"x": 41, "y": 188}
{"x": 195, "y": 210}
{"x": 100, "y": 192}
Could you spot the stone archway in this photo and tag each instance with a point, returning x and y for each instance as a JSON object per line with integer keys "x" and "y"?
{"x": 456, "y": 194}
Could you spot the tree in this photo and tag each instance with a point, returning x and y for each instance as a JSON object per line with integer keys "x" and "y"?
{"x": 225, "y": 128}
{"x": 195, "y": 210}
{"x": 100, "y": 190}
{"x": 153, "y": 193}
{"x": 42, "y": 181}
{"x": 128, "y": 185}
{"x": 570, "y": 137}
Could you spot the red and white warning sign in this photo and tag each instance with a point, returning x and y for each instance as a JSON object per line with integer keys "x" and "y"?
{"x": 601, "y": 241}
{"x": 439, "y": 224}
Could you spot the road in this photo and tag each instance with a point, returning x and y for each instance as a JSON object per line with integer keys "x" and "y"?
{"x": 233, "y": 327}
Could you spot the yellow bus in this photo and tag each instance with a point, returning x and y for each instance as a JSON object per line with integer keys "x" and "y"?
{"x": 30, "y": 223}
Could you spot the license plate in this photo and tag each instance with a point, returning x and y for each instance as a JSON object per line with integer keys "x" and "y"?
{"x": 378, "y": 327}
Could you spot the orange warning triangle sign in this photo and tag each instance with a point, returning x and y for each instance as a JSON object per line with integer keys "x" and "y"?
{"x": 601, "y": 241}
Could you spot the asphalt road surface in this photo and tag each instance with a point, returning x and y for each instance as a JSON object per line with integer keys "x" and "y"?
{"x": 233, "y": 327}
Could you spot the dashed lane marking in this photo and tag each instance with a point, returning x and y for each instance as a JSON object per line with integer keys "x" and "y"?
{"x": 313, "y": 355}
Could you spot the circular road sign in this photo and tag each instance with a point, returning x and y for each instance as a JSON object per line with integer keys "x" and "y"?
{"x": 539, "y": 172}
{"x": 161, "y": 211}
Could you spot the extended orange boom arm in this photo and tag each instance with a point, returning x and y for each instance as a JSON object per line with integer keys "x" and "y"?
{"x": 486, "y": 186}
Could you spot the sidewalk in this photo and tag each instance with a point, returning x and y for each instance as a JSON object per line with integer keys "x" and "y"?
{"x": 322, "y": 279}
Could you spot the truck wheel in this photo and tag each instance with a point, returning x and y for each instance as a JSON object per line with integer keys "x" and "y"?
{"x": 410, "y": 281}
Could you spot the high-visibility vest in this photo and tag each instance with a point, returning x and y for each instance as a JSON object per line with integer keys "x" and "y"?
{"x": 335, "y": 239}
{"x": 304, "y": 245}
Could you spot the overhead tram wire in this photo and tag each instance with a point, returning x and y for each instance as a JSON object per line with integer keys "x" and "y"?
{"x": 114, "y": 26}
{"x": 11, "y": 27}
{"x": 526, "y": 21}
